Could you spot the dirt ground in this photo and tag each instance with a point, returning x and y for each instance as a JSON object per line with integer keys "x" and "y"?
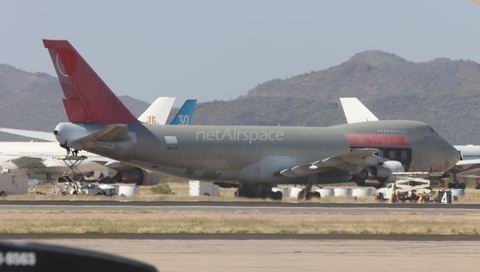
{"x": 289, "y": 255}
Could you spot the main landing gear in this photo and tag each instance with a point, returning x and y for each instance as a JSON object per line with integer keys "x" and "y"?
{"x": 306, "y": 193}
{"x": 456, "y": 184}
{"x": 258, "y": 190}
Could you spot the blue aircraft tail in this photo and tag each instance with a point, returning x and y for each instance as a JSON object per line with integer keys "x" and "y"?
{"x": 185, "y": 114}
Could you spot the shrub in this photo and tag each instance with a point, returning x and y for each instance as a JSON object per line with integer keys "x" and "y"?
{"x": 161, "y": 189}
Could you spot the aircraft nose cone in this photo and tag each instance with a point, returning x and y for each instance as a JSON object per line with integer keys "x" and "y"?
{"x": 453, "y": 156}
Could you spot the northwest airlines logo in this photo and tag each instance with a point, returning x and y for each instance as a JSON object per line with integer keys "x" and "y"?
{"x": 60, "y": 67}
{"x": 239, "y": 135}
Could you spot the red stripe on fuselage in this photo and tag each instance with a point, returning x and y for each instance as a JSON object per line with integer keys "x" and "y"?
{"x": 378, "y": 140}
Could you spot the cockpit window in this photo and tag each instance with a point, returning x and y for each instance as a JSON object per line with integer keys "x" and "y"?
{"x": 431, "y": 129}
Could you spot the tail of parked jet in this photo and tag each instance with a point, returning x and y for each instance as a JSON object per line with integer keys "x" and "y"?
{"x": 158, "y": 112}
{"x": 185, "y": 114}
{"x": 87, "y": 98}
{"x": 355, "y": 111}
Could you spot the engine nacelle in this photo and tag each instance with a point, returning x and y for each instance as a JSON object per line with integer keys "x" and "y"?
{"x": 383, "y": 172}
{"x": 138, "y": 176}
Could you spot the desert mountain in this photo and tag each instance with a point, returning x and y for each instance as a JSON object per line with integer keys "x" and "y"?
{"x": 442, "y": 92}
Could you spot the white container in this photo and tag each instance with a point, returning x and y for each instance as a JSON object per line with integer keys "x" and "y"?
{"x": 343, "y": 191}
{"x": 203, "y": 188}
{"x": 458, "y": 192}
{"x": 128, "y": 190}
{"x": 109, "y": 190}
{"x": 362, "y": 192}
{"x": 13, "y": 184}
{"x": 284, "y": 191}
{"x": 294, "y": 192}
{"x": 326, "y": 192}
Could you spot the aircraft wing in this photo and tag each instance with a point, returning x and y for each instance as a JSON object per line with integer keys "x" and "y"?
{"x": 346, "y": 161}
{"x": 20, "y": 161}
{"x": 467, "y": 168}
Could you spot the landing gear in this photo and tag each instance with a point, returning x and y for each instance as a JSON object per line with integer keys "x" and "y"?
{"x": 257, "y": 190}
{"x": 456, "y": 184}
{"x": 306, "y": 193}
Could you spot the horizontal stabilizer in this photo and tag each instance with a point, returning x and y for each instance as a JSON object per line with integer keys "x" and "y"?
{"x": 112, "y": 133}
{"x": 46, "y": 136}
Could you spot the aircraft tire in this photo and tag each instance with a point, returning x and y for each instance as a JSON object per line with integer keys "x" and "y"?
{"x": 277, "y": 195}
{"x": 308, "y": 195}
{"x": 380, "y": 197}
{"x": 456, "y": 185}
{"x": 316, "y": 195}
{"x": 450, "y": 185}
{"x": 463, "y": 185}
{"x": 301, "y": 195}
{"x": 263, "y": 194}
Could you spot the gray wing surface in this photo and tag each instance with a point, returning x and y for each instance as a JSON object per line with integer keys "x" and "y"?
{"x": 345, "y": 161}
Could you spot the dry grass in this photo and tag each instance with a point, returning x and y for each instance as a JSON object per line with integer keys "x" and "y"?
{"x": 236, "y": 222}
{"x": 180, "y": 192}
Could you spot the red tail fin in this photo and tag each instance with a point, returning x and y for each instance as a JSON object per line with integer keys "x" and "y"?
{"x": 87, "y": 98}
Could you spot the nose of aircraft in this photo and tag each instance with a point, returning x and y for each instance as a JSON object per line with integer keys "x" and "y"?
{"x": 452, "y": 155}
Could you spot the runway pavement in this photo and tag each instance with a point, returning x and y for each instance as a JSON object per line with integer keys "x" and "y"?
{"x": 265, "y": 207}
{"x": 237, "y": 236}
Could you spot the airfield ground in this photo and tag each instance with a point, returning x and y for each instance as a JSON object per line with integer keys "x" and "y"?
{"x": 260, "y": 255}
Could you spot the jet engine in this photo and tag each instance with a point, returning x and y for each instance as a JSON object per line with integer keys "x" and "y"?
{"x": 382, "y": 172}
{"x": 138, "y": 176}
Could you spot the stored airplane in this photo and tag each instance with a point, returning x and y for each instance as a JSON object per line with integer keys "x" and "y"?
{"x": 44, "y": 158}
{"x": 252, "y": 158}
{"x": 467, "y": 167}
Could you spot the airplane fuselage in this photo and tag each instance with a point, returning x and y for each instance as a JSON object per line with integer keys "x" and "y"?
{"x": 258, "y": 154}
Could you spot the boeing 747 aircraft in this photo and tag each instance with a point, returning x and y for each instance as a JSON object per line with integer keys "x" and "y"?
{"x": 252, "y": 158}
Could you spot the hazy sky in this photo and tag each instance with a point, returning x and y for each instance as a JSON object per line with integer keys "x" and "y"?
{"x": 221, "y": 49}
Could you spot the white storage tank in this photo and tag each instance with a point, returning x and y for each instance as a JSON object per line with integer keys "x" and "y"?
{"x": 13, "y": 184}
{"x": 343, "y": 191}
{"x": 128, "y": 190}
{"x": 294, "y": 192}
{"x": 109, "y": 190}
{"x": 203, "y": 188}
{"x": 362, "y": 192}
{"x": 325, "y": 192}
{"x": 458, "y": 192}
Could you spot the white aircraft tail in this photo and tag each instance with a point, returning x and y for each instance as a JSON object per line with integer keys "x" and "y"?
{"x": 355, "y": 111}
{"x": 158, "y": 112}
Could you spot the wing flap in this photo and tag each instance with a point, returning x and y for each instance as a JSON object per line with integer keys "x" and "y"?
{"x": 343, "y": 161}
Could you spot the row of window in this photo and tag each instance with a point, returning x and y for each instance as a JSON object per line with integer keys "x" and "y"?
{"x": 38, "y": 153}
{"x": 392, "y": 131}
{"x": 392, "y": 155}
